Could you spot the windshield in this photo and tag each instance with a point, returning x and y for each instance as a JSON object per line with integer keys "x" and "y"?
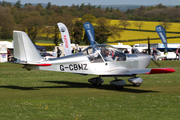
{"x": 102, "y": 53}
{"x": 143, "y": 45}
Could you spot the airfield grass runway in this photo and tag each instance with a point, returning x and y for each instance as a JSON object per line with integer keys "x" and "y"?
{"x": 44, "y": 95}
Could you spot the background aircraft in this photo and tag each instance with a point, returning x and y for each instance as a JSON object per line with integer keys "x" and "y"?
{"x": 101, "y": 60}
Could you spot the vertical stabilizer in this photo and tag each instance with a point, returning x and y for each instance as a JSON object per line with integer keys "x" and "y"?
{"x": 24, "y": 49}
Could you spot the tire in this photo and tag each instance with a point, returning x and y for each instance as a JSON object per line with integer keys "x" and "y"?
{"x": 137, "y": 85}
{"x": 119, "y": 87}
{"x": 97, "y": 85}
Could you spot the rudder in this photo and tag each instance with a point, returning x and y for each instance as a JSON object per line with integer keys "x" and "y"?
{"x": 24, "y": 49}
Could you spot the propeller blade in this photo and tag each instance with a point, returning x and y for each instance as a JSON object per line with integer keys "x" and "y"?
{"x": 157, "y": 64}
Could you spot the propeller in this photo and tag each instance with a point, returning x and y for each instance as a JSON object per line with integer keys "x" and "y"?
{"x": 156, "y": 63}
{"x": 149, "y": 52}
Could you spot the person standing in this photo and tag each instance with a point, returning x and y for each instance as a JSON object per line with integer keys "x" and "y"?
{"x": 132, "y": 51}
{"x": 78, "y": 49}
{"x": 144, "y": 52}
{"x": 126, "y": 51}
{"x": 154, "y": 54}
{"x": 9, "y": 55}
{"x": 73, "y": 51}
{"x": 54, "y": 53}
{"x": 58, "y": 52}
{"x": 165, "y": 53}
{"x": 177, "y": 53}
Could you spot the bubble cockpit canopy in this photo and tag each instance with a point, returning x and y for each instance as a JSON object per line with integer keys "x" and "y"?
{"x": 103, "y": 53}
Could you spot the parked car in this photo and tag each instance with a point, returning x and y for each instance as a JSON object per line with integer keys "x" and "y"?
{"x": 47, "y": 56}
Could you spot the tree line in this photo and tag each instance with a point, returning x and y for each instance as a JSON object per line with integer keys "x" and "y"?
{"x": 155, "y": 13}
{"x": 36, "y": 20}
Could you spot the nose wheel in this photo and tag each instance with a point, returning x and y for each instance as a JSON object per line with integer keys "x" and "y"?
{"x": 136, "y": 81}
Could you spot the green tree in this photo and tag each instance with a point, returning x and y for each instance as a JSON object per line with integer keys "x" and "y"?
{"x": 160, "y": 6}
{"x": 138, "y": 24}
{"x": 52, "y": 22}
{"x": 111, "y": 9}
{"x": 116, "y": 14}
{"x": 28, "y": 8}
{"x": 40, "y": 9}
{"x": 82, "y": 7}
{"x": 55, "y": 9}
{"x": 32, "y": 25}
{"x": 4, "y": 3}
{"x": 104, "y": 29}
{"x": 124, "y": 22}
{"x": 18, "y": 15}
{"x": 6, "y": 23}
{"x": 88, "y": 18}
{"x": 54, "y": 19}
{"x": 18, "y": 4}
{"x": 47, "y": 31}
{"x": 177, "y": 6}
{"x": 166, "y": 23}
{"x": 48, "y": 5}
{"x": 101, "y": 34}
{"x": 77, "y": 32}
{"x": 107, "y": 10}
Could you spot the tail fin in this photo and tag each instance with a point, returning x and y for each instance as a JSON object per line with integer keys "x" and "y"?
{"x": 24, "y": 49}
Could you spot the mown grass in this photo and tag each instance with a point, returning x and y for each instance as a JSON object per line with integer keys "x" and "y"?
{"x": 65, "y": 96}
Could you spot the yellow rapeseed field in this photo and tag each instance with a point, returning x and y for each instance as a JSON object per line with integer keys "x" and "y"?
{"x": 45, "y": 44}
{"x": 177, "y": 40}
{"x": 175, "y": 27}
{"x": 129, "y": 35}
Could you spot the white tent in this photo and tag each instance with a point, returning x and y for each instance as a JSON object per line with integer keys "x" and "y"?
{"x": 9, "y": 44}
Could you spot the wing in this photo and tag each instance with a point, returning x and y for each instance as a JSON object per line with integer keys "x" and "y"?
{"x": 160, "y": 70}
{"x": 127, "y": 72}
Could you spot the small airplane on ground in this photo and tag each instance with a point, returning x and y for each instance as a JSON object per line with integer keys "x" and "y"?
{"x": 101, "y": 60}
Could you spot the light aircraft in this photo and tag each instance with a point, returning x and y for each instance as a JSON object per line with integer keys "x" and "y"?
{"x": 93, "y": 60}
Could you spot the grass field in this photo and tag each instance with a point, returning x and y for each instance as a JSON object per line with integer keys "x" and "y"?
{"x": 44, "y": 95}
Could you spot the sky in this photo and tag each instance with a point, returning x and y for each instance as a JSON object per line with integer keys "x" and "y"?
{"x": 101, "y": 2}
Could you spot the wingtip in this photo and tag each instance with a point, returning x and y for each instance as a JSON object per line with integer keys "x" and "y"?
{"x": 161, "y": 70}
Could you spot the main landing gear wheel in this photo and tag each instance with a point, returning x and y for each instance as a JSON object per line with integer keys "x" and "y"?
{"x": 96, "y": 81}
{"x": 119, "y": 87}
{"x": 97, "y": 84}
{"x": 137, "y": 85}
{"x": 118, "y": 83}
